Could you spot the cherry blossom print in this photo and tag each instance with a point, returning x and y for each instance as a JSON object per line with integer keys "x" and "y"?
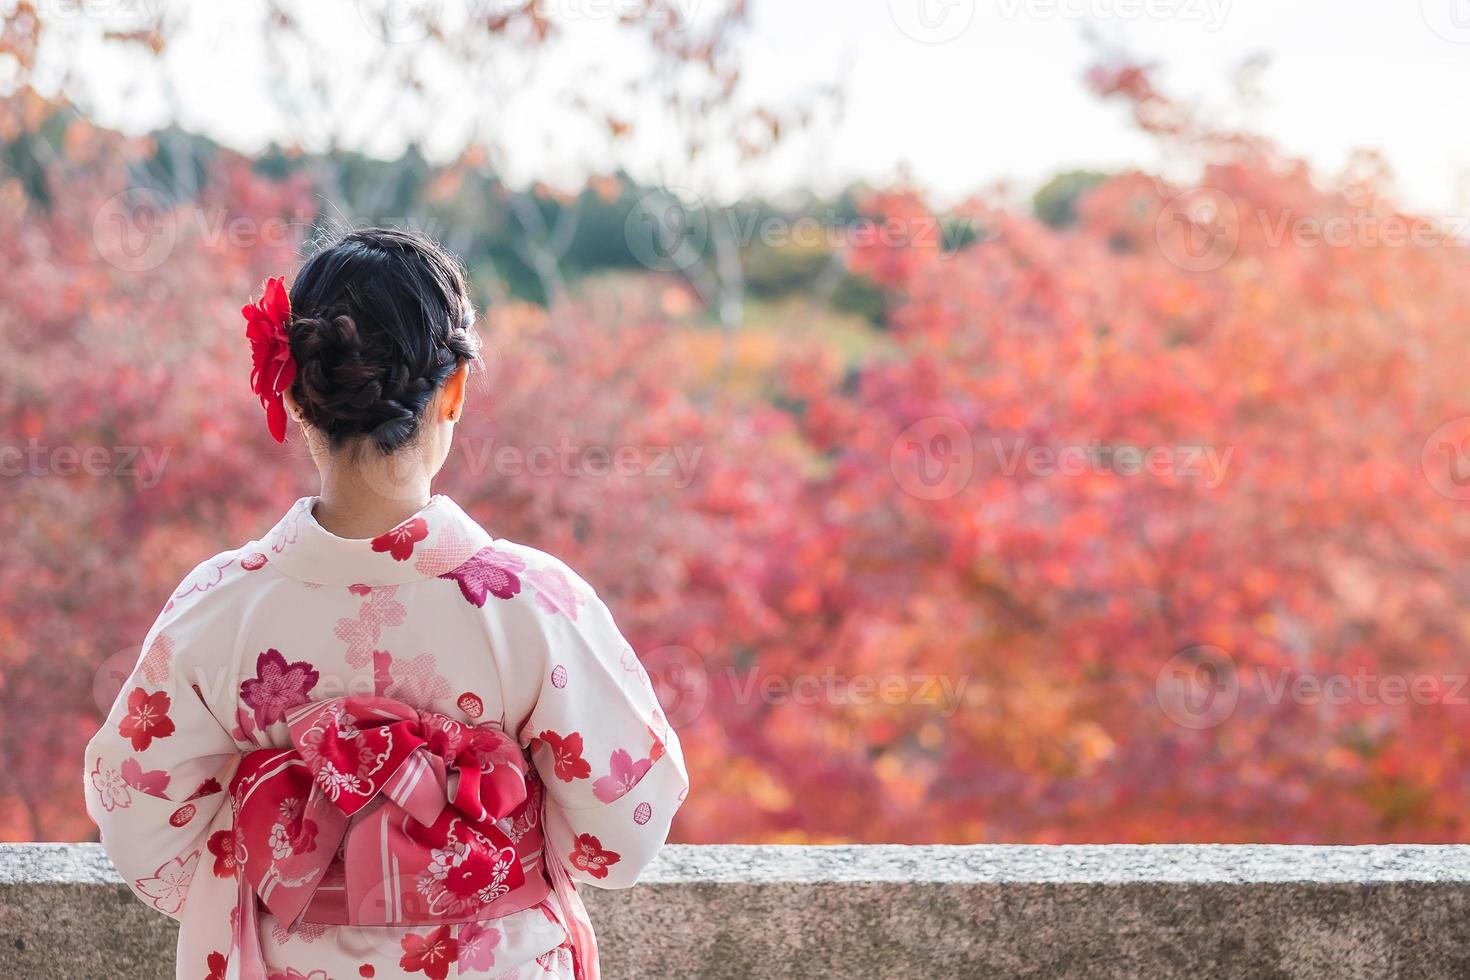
{"x": 147, "y": 718}
{"x": 488, "y": 572}
{"x": 204, "y": 578}
{"x": 217, "y": 964}
{"x": 589, "y": 856}
{"x": 153, "y": 782}
{"x": 360, "y": 589}
{"x": 111, "y": 787}
{"x": 253, "y": 562}
{"x": 362, "y": 634}
{"x": 642, "y": 813}
{"x": 286, "y": 533}
{"x": 182, "y": 815}
{"x": 244, "y": 730}
{"x": 449, "y": 551}
{"x": 477, "y": 942}
{"x": 471, "y": 705}
{"x": 399, "y": 542}
{"x": 558, "y": 677}
{"x": 209, "y": 787}
{"x": 432, "y": 954}
{"x": 294, "y": 974}
{"x": 623, "y": 777}
{"x": 155, "y": 663}
{"x": 567, "y": 751}
{"x": 222, "y": 845}
{"x": 554, "y": 593}
{"x": 418, "y": 681}
{"x": 277, "y": 686}
{"x": 382, "y": 672}
{"x": 169, "y": 885}
{"x": 306, "y": 932}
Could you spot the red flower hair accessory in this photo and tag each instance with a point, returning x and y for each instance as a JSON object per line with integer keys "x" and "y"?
{"x": 273, "y": 370}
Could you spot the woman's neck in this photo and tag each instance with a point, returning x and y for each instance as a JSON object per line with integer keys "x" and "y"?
{"x": 354, "y": 505}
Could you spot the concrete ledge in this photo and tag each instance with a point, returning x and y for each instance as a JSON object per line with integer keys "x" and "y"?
{"x": 1134, "y": 912}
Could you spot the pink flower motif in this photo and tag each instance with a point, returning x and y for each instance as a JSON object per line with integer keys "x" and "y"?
{"x": 209, "y": 787}
{"x": 488, "y": 572}
{"x": 554, "y": 593}
{"x": 448, "y": 551}
{"x": 155, "y": 663}
{"x": 361, "y": 634}
{"x": 566, "y": 753}
{"x": 222, "y": 845}
{"x": 477, "y": 944}
{"x": 294, "y": 974}
{"x": 277, "y": 686}
{"x": 169, "y": 885}
{"x": 591, "y": 858}
{"x": 147, "y": 718}
{"x": 154, "y": 782}
{"x": 624, "y": 776}
{"x": 399, "y": 542}
{"x": 111, "y": 787}
{"x": 432, "y": 954}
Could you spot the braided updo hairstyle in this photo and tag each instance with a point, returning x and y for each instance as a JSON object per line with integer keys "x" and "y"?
{"x": 380, "y": 319}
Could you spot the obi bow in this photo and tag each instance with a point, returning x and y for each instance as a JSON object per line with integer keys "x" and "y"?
{"x": 380, "y": 814}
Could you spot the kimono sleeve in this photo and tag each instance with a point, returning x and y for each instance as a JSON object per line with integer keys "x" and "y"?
{"x": 155, "y": 773}
{"x": 612, "y": 766}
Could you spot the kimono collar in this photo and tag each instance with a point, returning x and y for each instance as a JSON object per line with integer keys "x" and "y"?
{"x": 437, "y": 539}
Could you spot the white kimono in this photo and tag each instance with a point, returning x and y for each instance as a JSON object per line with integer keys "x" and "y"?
{"x": 458, "y": 629}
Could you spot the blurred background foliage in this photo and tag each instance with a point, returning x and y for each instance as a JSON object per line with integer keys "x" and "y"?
{"x": 835, "y": 487}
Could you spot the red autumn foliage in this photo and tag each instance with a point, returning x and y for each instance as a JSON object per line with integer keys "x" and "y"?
{"x": 936, "y": 597}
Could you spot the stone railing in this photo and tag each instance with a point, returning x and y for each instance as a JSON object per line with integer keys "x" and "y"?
{"x": 1120, "y": 911}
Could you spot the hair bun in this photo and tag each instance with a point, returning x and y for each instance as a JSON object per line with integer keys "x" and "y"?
{"x": 382, "y": 322}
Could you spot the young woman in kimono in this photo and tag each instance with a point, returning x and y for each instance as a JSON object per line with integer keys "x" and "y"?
{"x": 379, "y": 741}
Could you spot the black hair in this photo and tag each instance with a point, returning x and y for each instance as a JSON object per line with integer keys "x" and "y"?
{"x": 380, "y": 318}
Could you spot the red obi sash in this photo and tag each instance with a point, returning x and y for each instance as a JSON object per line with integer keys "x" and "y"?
{"x": 383, "y": 815}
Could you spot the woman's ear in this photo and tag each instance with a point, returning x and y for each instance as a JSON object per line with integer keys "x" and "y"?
{"x": 452, "y": 403}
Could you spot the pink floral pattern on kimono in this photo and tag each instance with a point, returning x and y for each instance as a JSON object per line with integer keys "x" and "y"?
{"x": 277, "y": 686}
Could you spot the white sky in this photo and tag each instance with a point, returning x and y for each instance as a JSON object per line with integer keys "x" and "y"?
{"x": 958, "y": 94}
